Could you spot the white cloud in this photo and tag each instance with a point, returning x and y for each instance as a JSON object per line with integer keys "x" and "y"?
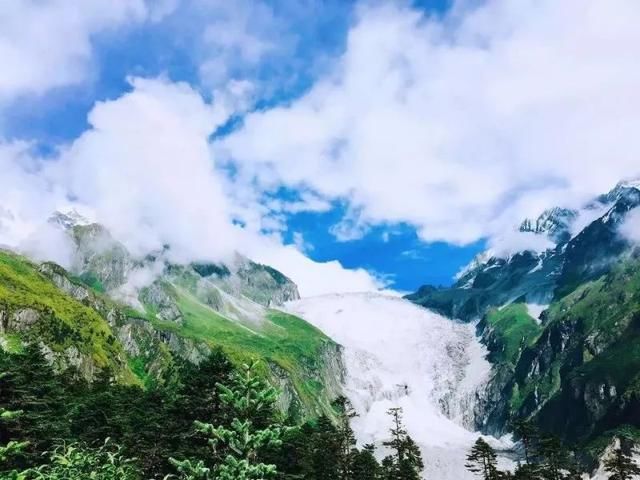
{"x": 630, "y": 229}
{"x": 313, "y": 278}
{"x": 144, "y": 169}
{"x": 235, "y": 39}
{"x": 26, "y": 195}
{"x": 507, "y": 244}
{"x": 47, "y": 44}
{"x": 462, "y": 126}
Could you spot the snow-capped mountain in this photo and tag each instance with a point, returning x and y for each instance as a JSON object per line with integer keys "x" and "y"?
{"x": 561, "y": 325}
{"x": 584, "y": 243}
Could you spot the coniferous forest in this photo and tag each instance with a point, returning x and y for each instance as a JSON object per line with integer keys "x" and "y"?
{"x": 210, "y": 421}
{"x": 219, "y": 421}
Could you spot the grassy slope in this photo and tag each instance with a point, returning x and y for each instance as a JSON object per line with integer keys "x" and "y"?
{"x": 64, "y": 321}
{"x": 283, "y": 339}
{"x": 598, "y": 325}
{"x": 513, "y": 328}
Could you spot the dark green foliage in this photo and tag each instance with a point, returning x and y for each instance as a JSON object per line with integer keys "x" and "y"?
{"x": 405, "y": 463}
{"x": 365, "y": 466}
{"x": 30, "y": 386}
{"x": 155, "y": 424}
{"x": 151, "y": 425}
{"x": 324, "y": 450}
{"x": 346, "y": 438}
{"x": 237, "y": 443}
{"x": 621, "y": 465}
{"x": 78, "y": 462}
{"x": 527, "y": 433}
{"x": 528, "y": 471}
{"x": 482, "y": 460}
{"x": 208, "y": 269}
{"x": 554, "y": 458}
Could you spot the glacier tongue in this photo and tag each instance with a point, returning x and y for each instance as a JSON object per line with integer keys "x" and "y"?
{"x": 399, "y": 354}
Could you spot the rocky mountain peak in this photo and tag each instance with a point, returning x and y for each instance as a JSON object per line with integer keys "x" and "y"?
{"x": 68, "y": 219}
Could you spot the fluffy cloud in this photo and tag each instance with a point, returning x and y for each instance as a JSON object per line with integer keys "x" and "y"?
{"x": 26, "y": 195}
{"x": 630, "y": 229}
{"x": 313, "y": 278}
{"x": 47, "y": 44}
{"x": 144, "y": 169}
{"x": 461, "y": 125}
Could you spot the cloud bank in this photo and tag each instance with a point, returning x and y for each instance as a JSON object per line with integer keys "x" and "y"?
{"x": 460, "y": 126}
{"x": 144, "y": 169}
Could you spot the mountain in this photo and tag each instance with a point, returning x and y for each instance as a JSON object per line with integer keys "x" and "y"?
{"x": 561, "y": 326}
{"x": 134, "y": 317}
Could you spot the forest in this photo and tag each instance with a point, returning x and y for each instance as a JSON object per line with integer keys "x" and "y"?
{"x": 217, "y": 421}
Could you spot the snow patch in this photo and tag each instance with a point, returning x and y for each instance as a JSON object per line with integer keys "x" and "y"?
{"x": 535, "y": 310}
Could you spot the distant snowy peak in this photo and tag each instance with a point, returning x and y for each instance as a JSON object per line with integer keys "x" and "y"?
{"x": 479, "y": 261}
{"x": 68, "y": 219}
{"x": 621, "y": 190}
{"x": 555, "y": 223}
{"x": 635, "y": 183}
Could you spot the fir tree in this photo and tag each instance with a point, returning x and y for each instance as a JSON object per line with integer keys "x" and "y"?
{"x": 365, "y": 465}
{"x": 346, "y": 438}
{"x": 406, "y": 461}
{"x": 554, "y": 456}
{"x": 482, "y": 460}
{"x": 11, "y": 447}
{"x": 238, "y": 444}
{"x": 527, "y": 433}
{"x": 528, "y": 471}
{"x": 621, "y": 465}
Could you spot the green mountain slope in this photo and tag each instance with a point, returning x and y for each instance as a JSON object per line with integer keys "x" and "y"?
{"x": 575, "y": 371}
{"x": 34, "y": 309}
{"x": 303, "y": 362}
{"x": 182, "y": 311}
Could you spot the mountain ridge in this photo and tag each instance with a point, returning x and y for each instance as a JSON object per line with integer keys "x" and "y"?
{"x": 155, "y": 311}
{"x": 560, "y": 325}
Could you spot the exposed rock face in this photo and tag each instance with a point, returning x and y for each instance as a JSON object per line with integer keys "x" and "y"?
{"x": 259, "y": 283}
{"x": 21, "y": 320}
{"x": 152, "y": 312}
{"x": 99, "y": 255}
{"x": 494, "y": 283}
{"x": 577, "y": 375}
{"x": 58, "y": 275}
{"x": 159, "y": 297}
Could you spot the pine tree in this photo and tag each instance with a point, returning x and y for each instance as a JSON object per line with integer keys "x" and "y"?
{"x": 346, "y": 437}
{"x": 365, "y": 465}
{"x": 238, "y": 444}
{"x": 528, "y": 471}
{"x": 482, "y": 460}
{"x": 555, "y": 458}
{"x": 406, "y": 461}
{"x": 12, "y": 447}
{"x": 621, "y": 465}
{"x": 527, "y": 433}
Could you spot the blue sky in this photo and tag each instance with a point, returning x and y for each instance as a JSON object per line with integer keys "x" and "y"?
{"x": 394, "y": 252}
{"x": 351, "y": 144}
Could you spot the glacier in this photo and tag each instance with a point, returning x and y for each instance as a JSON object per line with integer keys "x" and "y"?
{"x": 397, "y": 354}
